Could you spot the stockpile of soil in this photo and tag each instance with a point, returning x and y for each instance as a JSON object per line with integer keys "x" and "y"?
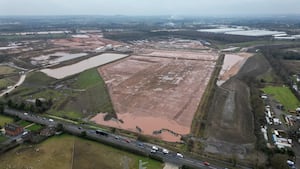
{"x": 230, "y": 119}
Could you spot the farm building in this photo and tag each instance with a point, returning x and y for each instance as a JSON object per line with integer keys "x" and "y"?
{"x": 13, "y": 129}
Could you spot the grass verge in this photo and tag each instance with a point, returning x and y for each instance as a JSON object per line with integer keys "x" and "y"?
{"x": 5, "y": 119}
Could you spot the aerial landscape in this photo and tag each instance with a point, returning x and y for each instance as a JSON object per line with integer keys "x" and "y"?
{"x": 150, "y": 85}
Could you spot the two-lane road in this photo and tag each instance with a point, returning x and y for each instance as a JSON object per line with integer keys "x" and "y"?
{"x": 113, "y": 139}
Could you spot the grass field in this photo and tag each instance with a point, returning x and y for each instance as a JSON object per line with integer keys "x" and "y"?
{"x": 23, "y": 123}
{"x": 93, "y": 100}
{"x": 78, "y": 96}
{"x": 91, "y": 155}
{"x": 54, "y": 153}
{"x": 68, "y": 152}
{"x": 35, "y": 127}
{"x": 4, "y": 82}
{"x": 283, "y": 95}
{"x": 6, "y": 70}
{"x": 38, "y": 78}
{"x": 88, "y": 79}
{"x": 5, "y": 119}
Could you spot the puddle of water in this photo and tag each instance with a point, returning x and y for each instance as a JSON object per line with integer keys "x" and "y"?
{"x": 147, "y": 124}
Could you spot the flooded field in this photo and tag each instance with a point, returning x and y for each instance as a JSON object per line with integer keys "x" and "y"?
{"x": 81, "y": 66}
{"x": 156, "y": 95}
{"x": 231, "y": 66}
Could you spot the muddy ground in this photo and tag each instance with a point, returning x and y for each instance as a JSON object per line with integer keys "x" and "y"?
{"x": 230, "y": 124}
{"x": 160, "y": 93}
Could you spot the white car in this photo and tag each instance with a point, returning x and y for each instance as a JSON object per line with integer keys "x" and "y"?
{"x": 153, "y": 151}
{"x": 165, "y": 151}
{"x": 26, "y": 114}
{"x": 179, "y": 155}
{"x": 51, "y": 120}
{"x": 155, "y": 148}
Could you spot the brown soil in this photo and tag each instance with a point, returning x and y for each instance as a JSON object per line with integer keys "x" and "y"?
{"x": 155, "y": 93}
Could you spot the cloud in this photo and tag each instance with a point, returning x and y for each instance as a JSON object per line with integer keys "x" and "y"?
{"x": 148, "y": 7}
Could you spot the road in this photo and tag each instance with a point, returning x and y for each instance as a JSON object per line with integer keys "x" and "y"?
{"x": 21, "y": 80}
{"x": 112, "y": 139}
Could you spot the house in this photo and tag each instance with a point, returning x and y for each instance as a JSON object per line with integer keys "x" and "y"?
{"x": 13, "y": 129}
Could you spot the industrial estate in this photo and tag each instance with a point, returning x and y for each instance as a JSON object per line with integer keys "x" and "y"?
{"x": 149, "y": 93}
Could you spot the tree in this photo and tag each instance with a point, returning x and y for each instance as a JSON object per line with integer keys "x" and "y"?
{"x": 38, "y": 103}
{"x": 1, "y": 107}
{"x": 83, "y": 134}
{"x": 10, "y": 103}
{"x": 59, "y": 127}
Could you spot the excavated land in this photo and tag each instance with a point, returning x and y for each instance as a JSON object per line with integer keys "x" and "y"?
{"x": 230, "y": 120}
{"x": 231, "y": 66}
{"x": 157, "y": 94}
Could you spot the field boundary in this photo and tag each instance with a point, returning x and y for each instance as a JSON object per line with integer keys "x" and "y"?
{"x": 198, "y": 124}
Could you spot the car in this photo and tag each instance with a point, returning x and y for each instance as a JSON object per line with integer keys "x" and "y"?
{"x": 26, "y": 114}
{"x": 153, "y": 151}
{"x": 165, "y": 151}
{"x": 155, "y": 148}
{"x": 179, "y": 155}
{"x": 206, "y": 163}
{"x": 80, "y": 128}
{"x": 140, "y": 144}
{"x": 127, "y": 141}
{"x": 51, "y": 120}
{"x": 117, "y": 137}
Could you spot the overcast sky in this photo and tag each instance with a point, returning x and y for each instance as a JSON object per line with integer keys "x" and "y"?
{"x": 149, "y": 7}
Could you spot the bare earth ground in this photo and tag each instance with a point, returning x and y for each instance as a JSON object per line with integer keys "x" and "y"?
{"x": 230, "y": 130}
{"x": 155, "y": 92}
{"x": 91, "y": 43}
{"x": 231, "y": 66}
{"x": 170, "y": 166}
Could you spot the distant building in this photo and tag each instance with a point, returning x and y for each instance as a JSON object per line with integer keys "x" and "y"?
{"x": 13, "y": 129}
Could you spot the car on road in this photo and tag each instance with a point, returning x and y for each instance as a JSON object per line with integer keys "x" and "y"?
{"x": 155, "y": 148}
{"x": 206, "y": 163}
{"x": 51, "y": 120}
{"x": 179, "y": 155}
{"x": 140, "y": 144}
{"x": 153, "y": 151}
{"x": 26, "y": 114}
{"x": 165, "y": 151}
{"x": 127, "y": 141}
{"x": 117, "y": 137}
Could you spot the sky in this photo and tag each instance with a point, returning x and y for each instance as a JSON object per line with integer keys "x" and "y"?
{"x": 150, "y": 7}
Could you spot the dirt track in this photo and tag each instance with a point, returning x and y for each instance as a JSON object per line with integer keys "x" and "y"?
{"x": 155, "y": 93}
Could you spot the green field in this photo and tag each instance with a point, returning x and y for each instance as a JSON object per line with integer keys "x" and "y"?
{"x": 5, "y": 119}
{"x": 23, "y": 123}
{"x": 35, "y": 127}
{"x": 78, "y": 96}
{"x": 88, "y": 79}
{"x": 92, "y": 100}
{"x": 65, "y": 152}
{"x": 283, "y": 95}
{"x": 38, "y": 78}
{"x": 5, "y": 82}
